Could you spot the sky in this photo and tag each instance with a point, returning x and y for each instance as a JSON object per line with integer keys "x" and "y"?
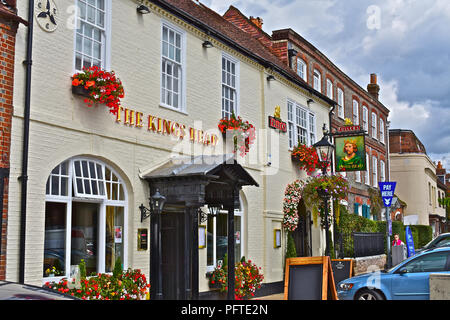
{"x": 405, "y": 42}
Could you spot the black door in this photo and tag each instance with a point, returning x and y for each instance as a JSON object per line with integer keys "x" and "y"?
{"x": 172, "y": 251}
{"x": 302, "y": 235}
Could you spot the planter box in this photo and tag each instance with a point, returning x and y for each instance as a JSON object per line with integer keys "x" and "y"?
{"x": 80, "y": 91}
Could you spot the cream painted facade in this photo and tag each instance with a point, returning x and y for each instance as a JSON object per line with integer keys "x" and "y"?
{"x": 416, "y": 180}
{"x": 62, "y": 128}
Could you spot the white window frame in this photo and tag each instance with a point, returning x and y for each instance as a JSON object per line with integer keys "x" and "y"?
{"x": 105, "y": 60}
{"x": 365, "y": 119}
{"x": 329, "y": 89}
{"x": 367, "y": 175}
{"x": 374, "y": 125}
{"x": 103, "y": 203}
{"x": 357, "y": 176}
{"x": 355, "y": 114}
{"x": 302, "y": 69}
{"x": 300, "y": 120}
{"x": 235, "y": 89}
{"x": 374, "y": 171}
{"x": 317, "y": 80}
{"x": 182, "y": 68}
{"x": 382, "y": 171}
{"x": 237, "y": 212}
{"x": 340, "y": 97}
{"x": 382, "y": 131}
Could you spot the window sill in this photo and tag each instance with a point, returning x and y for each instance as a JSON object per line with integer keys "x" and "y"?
{"x": 165, "y": 106}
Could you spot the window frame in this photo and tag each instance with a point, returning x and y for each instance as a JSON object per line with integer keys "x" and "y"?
{"x": 382, "y": 171}
{"x": 105, "y": 34}
{"x": 382, "y": 138}
{"x": 340, "y": 98}
{"x": 367, "y": 174}
{"x": 373, "y": 123}
{"x": 355, "y": 113}
{"x": 304, "y": 70}
{"x": 294, "y": 124}
{"x": 365, "y": 118}
{"x": 101, "y": 224}
{"x": 318, "y": 76}
{"x": 182, "y": 108}
{"x": 374, "y": 171}
{"x": 329, "y": 85}
{"x": 237, "y": 213}
{"x": 236, "y": 63}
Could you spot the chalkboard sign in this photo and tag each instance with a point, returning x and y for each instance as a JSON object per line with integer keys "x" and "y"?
{"x": 342, "y": 269}
{"x": 309, "y": 278}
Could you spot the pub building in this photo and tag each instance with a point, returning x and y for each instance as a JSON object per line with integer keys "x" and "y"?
{"x": 156, "y": 184}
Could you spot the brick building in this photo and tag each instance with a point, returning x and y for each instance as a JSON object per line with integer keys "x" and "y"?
{"x": 9, "y": 23}
{"x": 353, "y": 102}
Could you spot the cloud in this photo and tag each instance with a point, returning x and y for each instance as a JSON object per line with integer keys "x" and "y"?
{"x": 406, "y": 42}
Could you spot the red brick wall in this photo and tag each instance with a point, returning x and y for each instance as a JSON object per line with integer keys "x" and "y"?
{"x": 404, "y": 142}
{"x": 7, "y": 52}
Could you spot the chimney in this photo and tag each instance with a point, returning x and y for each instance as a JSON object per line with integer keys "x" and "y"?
{"x": 373, "y": 88}
{"x": 257, "y": 21}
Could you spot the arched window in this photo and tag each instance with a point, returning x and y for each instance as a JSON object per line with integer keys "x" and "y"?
{"x": 89, "y": 199}
{"x": 301, "y": 69}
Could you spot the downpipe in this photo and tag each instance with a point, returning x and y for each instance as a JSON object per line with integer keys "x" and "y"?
{"x": 26, "y": 136}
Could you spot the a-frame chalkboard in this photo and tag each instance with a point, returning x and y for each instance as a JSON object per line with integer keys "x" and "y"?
{"x": 309, "y": 278}
{"x": 342, "y": 269}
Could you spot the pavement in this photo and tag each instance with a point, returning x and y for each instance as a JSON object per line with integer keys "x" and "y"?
{"x": 278, "y": 296}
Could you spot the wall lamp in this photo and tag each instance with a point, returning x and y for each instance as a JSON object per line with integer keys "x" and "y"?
{"x": 207, "y": 44}
{"x": 309, "y": 101}
{"x": 213, "y": 211}
{"x": 157, "y": 202}
{"x": 143, "y": 9}
{"x": 270, "y": 78}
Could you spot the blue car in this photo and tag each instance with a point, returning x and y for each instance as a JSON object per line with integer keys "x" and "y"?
{"x": 409, "y": 280}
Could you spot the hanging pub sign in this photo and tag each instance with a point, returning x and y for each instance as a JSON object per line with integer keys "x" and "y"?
{"x": 275, "y": 122}
{"x": 350, "y": 153}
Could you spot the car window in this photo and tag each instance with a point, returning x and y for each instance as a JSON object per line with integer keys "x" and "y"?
{"x": 443, "y": 243}
{"x": 433, "y": 262}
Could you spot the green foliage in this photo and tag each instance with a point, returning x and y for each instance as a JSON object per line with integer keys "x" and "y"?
{"x": 82, "y": 267}
{"x": 117, "y": 268}
{"x": 291, "y": 251}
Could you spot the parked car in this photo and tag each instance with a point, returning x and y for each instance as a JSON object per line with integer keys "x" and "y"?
{"x": 16, "y": 291}
{"x": 408, "y": 280}
{"x": 440, "y": 241}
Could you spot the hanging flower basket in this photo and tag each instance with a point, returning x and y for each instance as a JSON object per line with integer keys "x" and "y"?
{"x": 307, "y": 158}
{"x": 98, "y": 86}
{"x": 292, "y": 197}
{"x": 335, "y": 187}
{"x": 242, "y": 132}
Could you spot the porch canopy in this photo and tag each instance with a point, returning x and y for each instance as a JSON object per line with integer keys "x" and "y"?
{"x": 189, "y": 183}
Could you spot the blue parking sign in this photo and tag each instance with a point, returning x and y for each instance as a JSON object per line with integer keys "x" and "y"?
{"x": 387, "y": 192}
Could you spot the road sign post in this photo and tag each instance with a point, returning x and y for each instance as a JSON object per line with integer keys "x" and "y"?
{"x": 387, "y": 193}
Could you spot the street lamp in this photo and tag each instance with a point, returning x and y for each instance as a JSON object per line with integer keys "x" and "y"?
{"x": 325, "y": 151}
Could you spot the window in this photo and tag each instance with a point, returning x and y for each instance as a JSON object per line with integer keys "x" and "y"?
{"x": 172, "y": 50}
{"x": 381, "y": 130}
{"x": 358, "y": 176}
{"x": 433, "y": 262}
{"x": 340, "y": 96}
{"x": 329, "y": 89}
{"x": 382, "y": 171}
{"x": 374, "y": 125}
{"x": 301, "y": 69}
{"x": 355, "y": 112}
{"x": 317, "y": 81}
{"x": 374, "y": 172}
{"x": 301, "y": 125}
{"x": 85, "y": 217}
{"x": 91, "y": 39}
{"x": 217, "y": 238}
{"x": 229, "y": 86}
{"x": 367, "y": 175}
{"x": 365, "y": 119}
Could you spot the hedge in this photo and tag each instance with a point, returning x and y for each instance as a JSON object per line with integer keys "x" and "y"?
{"x": 349, "y": 223}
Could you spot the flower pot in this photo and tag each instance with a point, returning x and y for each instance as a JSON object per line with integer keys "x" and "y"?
{"x": 80, "y": 91}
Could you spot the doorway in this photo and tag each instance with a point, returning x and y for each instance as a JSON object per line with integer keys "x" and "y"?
{"x": 302, "y": 235}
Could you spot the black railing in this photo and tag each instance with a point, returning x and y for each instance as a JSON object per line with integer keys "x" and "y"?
{"x": 359, "y": 244}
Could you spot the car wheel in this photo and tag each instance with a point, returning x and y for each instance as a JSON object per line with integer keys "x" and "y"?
{"x": 367, "y": 294}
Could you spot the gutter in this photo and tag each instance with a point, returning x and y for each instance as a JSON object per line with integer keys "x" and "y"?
{"x": 26, "y": 136}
